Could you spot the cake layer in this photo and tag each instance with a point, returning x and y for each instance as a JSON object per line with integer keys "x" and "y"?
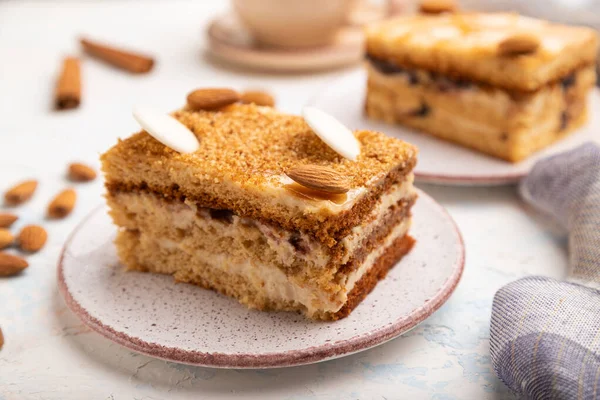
{"x": 263, "y": 265}
{"x": 244, "y": 154}
{"x": 263, "y": 286}
{"x": 506, "y": 124}
{"x": 465, "y": 46}
{"x": 147, "y": 210}
{"x": 209, "y": 233}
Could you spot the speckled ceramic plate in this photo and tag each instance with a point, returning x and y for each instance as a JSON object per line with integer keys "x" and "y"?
{"x": 442, "y": 162}
{"x": 151, "y": 314}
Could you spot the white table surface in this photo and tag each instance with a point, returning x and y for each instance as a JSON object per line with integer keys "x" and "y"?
{"x": 49, "y": 354}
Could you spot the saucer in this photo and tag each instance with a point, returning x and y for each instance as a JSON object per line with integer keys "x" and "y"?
{"x": 229, "y": 41}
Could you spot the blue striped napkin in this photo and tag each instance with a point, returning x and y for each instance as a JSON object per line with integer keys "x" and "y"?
{"x": 545, "y": 334}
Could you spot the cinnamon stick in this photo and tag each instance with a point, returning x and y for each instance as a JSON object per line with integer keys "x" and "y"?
{"x": 127, "y": 60}
{"x": 68, "y": 88}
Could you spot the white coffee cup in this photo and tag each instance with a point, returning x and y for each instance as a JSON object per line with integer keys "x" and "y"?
{"x": 293, "y": 23}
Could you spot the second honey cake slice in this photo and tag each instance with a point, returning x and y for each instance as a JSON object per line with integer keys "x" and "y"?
{"x": 503, "y": 84}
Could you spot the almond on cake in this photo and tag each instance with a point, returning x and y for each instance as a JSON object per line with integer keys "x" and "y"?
{"x": 229, "y": 217}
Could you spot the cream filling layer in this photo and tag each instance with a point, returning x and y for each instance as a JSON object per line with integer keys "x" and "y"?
{"x": 410, "y": 95}
{"x": 540, "y": 107}
{"x": 360, "y": 232}
{"x": 277, "y": 286}
{"x": 279, "y": 239}
{"x": 289, "y": 246}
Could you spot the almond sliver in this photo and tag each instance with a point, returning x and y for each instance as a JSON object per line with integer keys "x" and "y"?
{"x": 166, "y": 130}
{"x": 331, "y": 131}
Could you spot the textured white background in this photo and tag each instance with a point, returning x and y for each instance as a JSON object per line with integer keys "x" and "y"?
{"x": 49, "y": 354}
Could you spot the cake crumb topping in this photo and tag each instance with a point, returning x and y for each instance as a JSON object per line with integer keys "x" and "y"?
{"x": 252, "y": 145}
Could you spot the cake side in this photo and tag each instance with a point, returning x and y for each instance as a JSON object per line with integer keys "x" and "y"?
{"x": 264, "y": 286}
{"x": 465, "y": 47}
{"x": 507, "y": 124}
{"x": 384, "y": 263}
{"x": 154, "y": 231}
{"x": 193, "y": 225}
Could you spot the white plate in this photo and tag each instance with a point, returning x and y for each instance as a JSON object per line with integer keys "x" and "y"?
{"x": 151, "y": 314}
{"x": 440, "y": 161}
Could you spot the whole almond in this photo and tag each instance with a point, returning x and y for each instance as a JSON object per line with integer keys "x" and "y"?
{"x": 62, "y": 204}
{"x": 437, "y": 6}
{"x": 11, "y": 264}
{"x": 32, "y": 238}
{"x": 517, "y": 44}
{"x": 211, "y": 99}
{"x": 257, "y": 97}
{"x": 6, "y": 238}
{"x": 20, "y": 192}
{"x": 7, "y": 219}
{"x": 81, "y": 173}
{"x": 1, "y": 339}
{"x": 319, "y": 178}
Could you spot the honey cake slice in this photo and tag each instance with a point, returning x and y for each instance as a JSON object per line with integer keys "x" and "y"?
{"x": 452, "y": 76}
{"x": 228, "y": 217}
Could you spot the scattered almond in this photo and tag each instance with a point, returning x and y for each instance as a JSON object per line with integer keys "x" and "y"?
{"x": 7, "y": 219}
{"x": 257, "y": 97}
{"x": 518, "y": 44}
{"x": 11, "y": 264}
{"x": 437, "y": 6}
{"x": 6, "y": 238}
{"x": 62, "y": 204}
{"x": 211, "y": 99}
{"x": 319, "y": 178}
{"x": 32, "y": 238}
{"x": 81, "y": 173}
{"x": 20, "y": 193}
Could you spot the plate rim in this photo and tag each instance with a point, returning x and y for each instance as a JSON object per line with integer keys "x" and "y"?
{"x": 466, "y": 180}
{"x": 288, "y": 358}
{"x": 504, "y": 179}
